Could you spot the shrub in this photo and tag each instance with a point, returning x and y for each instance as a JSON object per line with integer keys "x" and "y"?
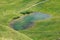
{"x": 26, "y": 12}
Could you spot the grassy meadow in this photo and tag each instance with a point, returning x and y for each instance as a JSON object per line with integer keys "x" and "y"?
{"x": 48, "y": 29}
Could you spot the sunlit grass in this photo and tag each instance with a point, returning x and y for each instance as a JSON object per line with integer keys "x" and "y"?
{"x": 42, "y": 30}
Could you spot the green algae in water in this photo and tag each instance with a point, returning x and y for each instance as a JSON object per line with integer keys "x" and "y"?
{"x": 28, "y": 20}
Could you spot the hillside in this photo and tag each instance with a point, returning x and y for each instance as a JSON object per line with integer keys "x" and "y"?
{"x": 48, "y": 29}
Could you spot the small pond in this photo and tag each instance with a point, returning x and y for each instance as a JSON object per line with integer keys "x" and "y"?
{"x": 28, "y": 20}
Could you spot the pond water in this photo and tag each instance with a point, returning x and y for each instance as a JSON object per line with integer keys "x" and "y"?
{"x": 28, "y": 20}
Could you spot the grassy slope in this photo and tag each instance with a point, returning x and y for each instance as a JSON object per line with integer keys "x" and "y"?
{"x": 8, "y": 10}
{"x": 44, "y": 30}
{"x": 48, "y": 29}
{"x": 7, "y": 33}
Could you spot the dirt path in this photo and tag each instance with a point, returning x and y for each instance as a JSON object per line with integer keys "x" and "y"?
{"x": 32, "y": 6}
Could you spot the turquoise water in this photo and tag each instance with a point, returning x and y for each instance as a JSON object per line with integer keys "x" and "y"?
{"x": 28, "y": 20}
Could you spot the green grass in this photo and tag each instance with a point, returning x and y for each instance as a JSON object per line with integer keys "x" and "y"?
{"x": 7, "y": 33}
{"x": 42, "y": 30}
{"x": 50, "y": 28}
